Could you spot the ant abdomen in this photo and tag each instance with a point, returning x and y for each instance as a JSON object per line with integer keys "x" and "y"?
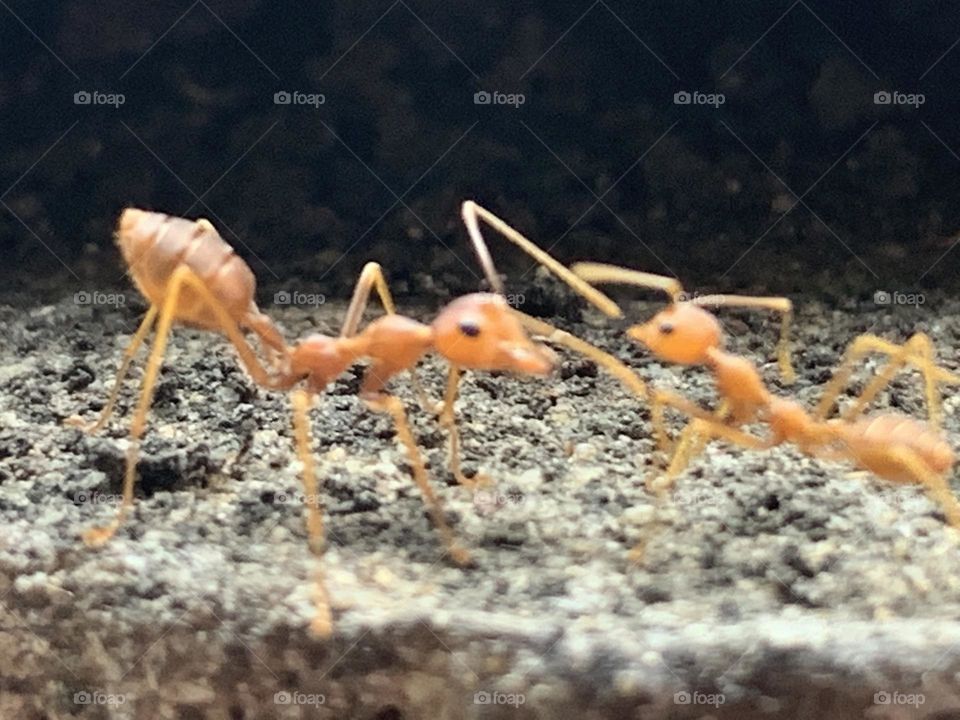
{"x": 154, "y": 245}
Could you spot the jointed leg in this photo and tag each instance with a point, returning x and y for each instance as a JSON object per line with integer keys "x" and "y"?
{"x": 182, "y": 276}
{"x": 301, "y": 401}
{"x": 100, "y": 535}
{"x": 128, "y": 356}
{"x": 936, "y": 485}
{"x": 473, "y": 213}
{"x": 690, "y": 444}
{"x": 271, "y": 341}
{"x": 705, "y": 426}
{"x": 371, "y": 278}
{"x": 322, "y": 623}
{"x": 918, "y": 351}
{"x": 392, "y": 405}
{"x": 448, "y": 421}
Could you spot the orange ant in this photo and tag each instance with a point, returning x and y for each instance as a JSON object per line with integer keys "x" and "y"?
{"x": 189, "y": 274}
{"x": 892, "y": 446}
{"x": 690, "y": 442}
{"x": 581, "y": 276}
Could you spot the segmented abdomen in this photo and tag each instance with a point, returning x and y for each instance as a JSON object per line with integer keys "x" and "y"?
{"x": 154, "y": 245}
{"x": 874, "y": 441}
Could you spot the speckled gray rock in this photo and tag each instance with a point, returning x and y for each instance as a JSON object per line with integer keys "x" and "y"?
{"x": 770, "y": 585}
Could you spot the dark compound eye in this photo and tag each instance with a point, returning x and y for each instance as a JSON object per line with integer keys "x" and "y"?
{"x": 470, "y": 329}
{"x": 666, "y": 329}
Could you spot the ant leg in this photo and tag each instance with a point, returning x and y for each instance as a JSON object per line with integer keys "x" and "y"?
{"x": 322, "y": 623}
{"x": 659, "y": 421}
{"x": 182, "y": 276}
{"x": 936, "y": 485}
{"x": 448, "y": 421}
{"x": 185, "y": 276}
{"x": 705, "y": 426}
{"x": 382, "y": 402}
{"x": 690, "y": 444}
{"x": 917, "y": 351}
{"x": 371, "y": 278}
{"x": 95, "y": 537}
{"x": 271, "y": 340}
{"x": 780, "y": 305}
{"x": 473, "y": 213}
{"x": 301, "y": 401}
{"x": 128, "y": 356}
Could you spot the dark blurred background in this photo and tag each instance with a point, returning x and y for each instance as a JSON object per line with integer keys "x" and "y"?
{"x": 785, "y": 171}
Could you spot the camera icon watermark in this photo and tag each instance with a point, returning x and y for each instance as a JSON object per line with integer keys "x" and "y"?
{"x": 314, "y": 100}
{"x": 885, "y": 297}
{"x": 86, "y": 97}
{"x": 94, "y": 497}
{"x": 698, "y": 698}
{"x": 298, "y": 698}
{"x": 285, "y": 497}
{"x": 698, "y": 497}
{"x": 895, "y": 97}
{"x": 295, "y": 297}
{"x": 482, "y": 697}
{"x": 893, "y": 697}
{"x": 487, "y": 501}
{"x": 97, "y": 697}
{"x": 95, "y": 297}
{"x": 499, "y": 98}
{"x": 696, "y": 97}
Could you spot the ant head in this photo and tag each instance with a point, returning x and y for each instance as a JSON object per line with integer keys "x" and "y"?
{"x": 480, "y": 332}
{"x": 682, "y": 333}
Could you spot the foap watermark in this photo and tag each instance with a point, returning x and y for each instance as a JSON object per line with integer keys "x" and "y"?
{"x": 698, "y": 497}
{"x": 314, "y": 100}
{"x": 895, "y": 97}
{"x": 98, "y": 697}
{"x": 490, "y": 500}
{"x": 715, "y": 100}
{"x": 86, "y": 97}
{"x": 482, "y": 697}
{"x": 298, "y": 698}
{"x": 895, "y": 297}
{"x": 496, "y": 97}
{"x": 95, "y": 297}
{"x": 95, "y": 497}
{"x": 894, "y": 697}
{"x": 698, "y": 698}
{"x": 285, "y": 497}
{"x": 295, "y": 297}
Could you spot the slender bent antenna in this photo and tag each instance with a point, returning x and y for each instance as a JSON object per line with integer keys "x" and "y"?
{"x": 472, "y": 213}
{"x": 593, "y": 272}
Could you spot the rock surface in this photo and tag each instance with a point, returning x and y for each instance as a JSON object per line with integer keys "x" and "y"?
{"x": 769, "y": 584}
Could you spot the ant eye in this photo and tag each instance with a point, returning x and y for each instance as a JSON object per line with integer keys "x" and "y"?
{"x": 470, "y": 329}
{"x": 666, "y": 329}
